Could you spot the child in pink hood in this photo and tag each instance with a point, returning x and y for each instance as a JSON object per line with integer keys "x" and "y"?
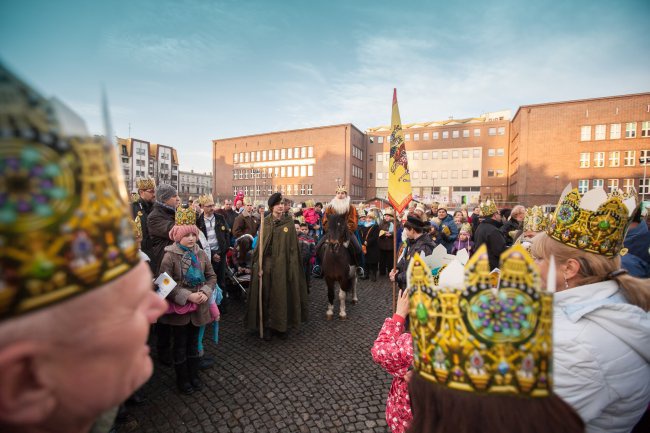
{"x": 393, "y": 350}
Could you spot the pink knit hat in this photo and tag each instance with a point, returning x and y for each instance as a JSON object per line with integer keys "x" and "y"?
{"x": 178, "y": 232}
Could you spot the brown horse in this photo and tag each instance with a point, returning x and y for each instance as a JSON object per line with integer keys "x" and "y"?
{"x": 337, "y": 264}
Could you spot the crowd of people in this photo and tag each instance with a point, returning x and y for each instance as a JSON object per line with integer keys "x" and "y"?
{"x": 559, "y": 342}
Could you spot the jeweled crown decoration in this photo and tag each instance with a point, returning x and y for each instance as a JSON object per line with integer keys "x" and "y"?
{"x": 65, "y": 224}
{"x": 478, "y": 338}
{"x": 145, "y": 183}
{"x": 535, "y": 220}
{"x": 206, "y": 199}
{"x": 488, "y": 208}
{"x": 185, "y": 216}
{"x": 595, "y": 222}
{"x": 341, "y": 188}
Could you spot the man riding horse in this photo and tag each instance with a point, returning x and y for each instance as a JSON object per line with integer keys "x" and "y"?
{"x": 340, "y": 205}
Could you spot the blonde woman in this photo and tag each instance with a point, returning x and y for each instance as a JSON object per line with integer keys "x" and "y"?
{"x": 601, "y": 334}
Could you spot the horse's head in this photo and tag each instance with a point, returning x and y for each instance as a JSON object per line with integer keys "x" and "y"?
{"x": 337, "y": 231}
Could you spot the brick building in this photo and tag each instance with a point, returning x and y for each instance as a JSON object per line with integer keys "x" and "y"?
{"x": 590, "y": 143}
{"x": 302, "y": 164}
{"x": 142, "y": 158}
{"x": 454, "y": 161}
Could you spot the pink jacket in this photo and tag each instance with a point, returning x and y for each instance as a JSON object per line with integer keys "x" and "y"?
{"x": 311, "y": 217}
{"x": 393, "y": 350}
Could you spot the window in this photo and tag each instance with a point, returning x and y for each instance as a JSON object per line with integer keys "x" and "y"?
{"x": 502, "y": 130}
{"x": 416, "y": 155}
{"x": 303, "y": 170}
{"x": 598, "y": 183}
{"x": 599, "y": 159}
{"x": 283, "y": 154}
{"x": 310, "y": 154}
{"x": 259, "y": 156}
{"x": 477, "y": 132}
{"x": 379, "y": 176}
{"x": 584, "y": 160}
{"x": 492, "y": 131}
{"x": 380, "y": 157}
{"x": 310, "y": 170}
{"x": 645, "y": 129}
{"x": 424, "y": 175}
{"x": 380, "y": 140}
{"x": 465, "y": 174}
{"x": 454, "y": 154}
{"x": 585, "y": 133}
{"x": 309, "y": 189}
{"x": 476, "y": 153}
{"x": 445, "y": 134}
{"x": 612, "y": 185}
{"x": 277, "y": 154}
{"x": 443, "y": 174}
{"x": 499, "y": 173}
{"x": 434, "y": 175}
{"x": 600, "y": 132}
{"x": 425, "y": 136}
{"x": 474, "y": 173}
{"x": 583, "y": 186}
{"x": 407, "y": 137}
{"x": 614, "y": 159}
{"x": 454, "y": 174}
{"x": 303, "y": 152}
{"x": 629, "y": 158}
{"x": 614, "y": 131}
{"x": 491, "y": 152}
{"x": 436, "y": 135}
{"x": 465, "y": 133}
{"x": 416, "y": 174}
{"x": 290, "y": 153}
{"x": 283, "y": 172}
{"x": 500, "y": 151}
{"x": 302, "y": 189}
{"x": 445, "y": 154}
{"x": 628, "y": 184}
{"x": 246, "y": 156}
{"x": 455, "y": 134}
{"x": 490, "y": 173}
{"x": 644, "y": 154}
{"x": 264, "y": 155}
{"x": 434, "y": 155}
{"x": 235, "y": 158}
{"x": 465, "y": 153}
{"x": 416, "y": 137}
{"x": 630, "y": 130}
{"x": 425, "y": 155}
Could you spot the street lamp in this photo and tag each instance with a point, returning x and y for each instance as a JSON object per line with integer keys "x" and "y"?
{"x": 255, "y": 172}
{"x": 644, "y": 161}
{"x": 556, "y": 178}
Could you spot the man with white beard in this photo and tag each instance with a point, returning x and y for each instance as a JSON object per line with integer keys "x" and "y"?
{"x": 340, "y": 205}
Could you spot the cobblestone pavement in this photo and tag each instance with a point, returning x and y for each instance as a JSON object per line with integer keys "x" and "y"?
{"x": 320, "y": 379}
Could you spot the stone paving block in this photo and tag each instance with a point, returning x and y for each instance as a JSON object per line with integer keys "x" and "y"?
{"x": 321, "y": 379}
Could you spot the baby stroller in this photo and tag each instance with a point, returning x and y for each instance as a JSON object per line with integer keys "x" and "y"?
{"x": 238, "y": 266}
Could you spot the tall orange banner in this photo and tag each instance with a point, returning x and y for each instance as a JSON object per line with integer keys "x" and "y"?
{"x": 399, "y": 178}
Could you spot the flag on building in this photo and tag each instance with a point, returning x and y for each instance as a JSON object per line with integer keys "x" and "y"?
{"x": 399, "y": 178}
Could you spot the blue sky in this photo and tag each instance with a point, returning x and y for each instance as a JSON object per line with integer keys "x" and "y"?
{"x": 184, "y": 72}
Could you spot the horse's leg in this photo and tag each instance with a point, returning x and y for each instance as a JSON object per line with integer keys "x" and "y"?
{"x": 330, "y": 298}
{"x": 342, "y": 314}
{"x": 355, "y": 300}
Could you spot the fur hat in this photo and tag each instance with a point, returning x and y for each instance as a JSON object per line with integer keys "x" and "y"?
{"x": 274, "y": 199}
{"x": 389, "y": 211}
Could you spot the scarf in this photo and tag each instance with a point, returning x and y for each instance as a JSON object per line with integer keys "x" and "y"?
{"x": 194, "y": 275}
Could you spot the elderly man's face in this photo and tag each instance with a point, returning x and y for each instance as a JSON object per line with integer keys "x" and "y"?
{"x": 341, "y": 195}
{"x": 106, "y": 357}
{"x": 148, "y": 195}
{"x": 173, "y": 201}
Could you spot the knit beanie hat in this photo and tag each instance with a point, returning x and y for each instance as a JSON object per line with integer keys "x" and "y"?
{"x": 179, "y": 232}
{"x": 164, "y": 192}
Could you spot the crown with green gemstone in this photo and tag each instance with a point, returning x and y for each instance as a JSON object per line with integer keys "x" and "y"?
{"x": 595, "y": 222}
{"x": 479, "y": 334}
{"x": 185, "y": 216}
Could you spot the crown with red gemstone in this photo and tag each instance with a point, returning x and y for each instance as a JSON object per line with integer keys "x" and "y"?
{"x": 595, "y": 222}
{"x": 65, "y": 223}
{"x": 477, "y": 333}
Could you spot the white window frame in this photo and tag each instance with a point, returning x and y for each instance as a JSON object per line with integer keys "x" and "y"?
{"x": 615, "y": 158}
{"x": 614, "y": 131}
{"x": 585, "y": 160}
{"x": 599, "y": 159}
{"x": 600, "y": 132}
{"x": 585, "y": 133}
{"x": 630, "y": 130}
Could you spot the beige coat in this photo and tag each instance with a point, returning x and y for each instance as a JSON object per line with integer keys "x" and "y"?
{"x": 176, "y": 267}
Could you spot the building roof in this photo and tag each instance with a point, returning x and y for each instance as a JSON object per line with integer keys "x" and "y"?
{"x": 287, "y": 131}
{"x": 449, "y": 122}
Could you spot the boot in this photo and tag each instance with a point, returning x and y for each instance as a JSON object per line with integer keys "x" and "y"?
{"x": 373, "y": 275}
{"x": 183, "y": 378}
{"x": 193, "y": 367}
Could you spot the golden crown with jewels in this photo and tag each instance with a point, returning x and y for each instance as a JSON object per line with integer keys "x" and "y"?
{"x": 341, "y": 188}
{"x": 65, "y": 223}
{"x": 145, "y": 183}
{"x": 595, "y": 222}
{"x": 488, "y": 208}
{"x": 206, "y": 199}
{"x": 479, "y": 334}
{"x": 535, "y": 220}
{"x": 185, "y": 216}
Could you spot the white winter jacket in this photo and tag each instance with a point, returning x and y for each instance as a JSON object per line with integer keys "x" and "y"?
{"x": 601, "y": 356}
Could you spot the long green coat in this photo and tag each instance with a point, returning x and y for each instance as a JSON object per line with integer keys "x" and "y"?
{"x": 284, "y": 291}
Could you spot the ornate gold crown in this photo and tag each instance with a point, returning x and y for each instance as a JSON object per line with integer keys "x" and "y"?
{"x": 474, "y": 337}
{"x": 138, "y": 226}
{"x": 535, "y": 220}
{"x": 466, "y": 227}
{"x": 185, "y": 216}
{"x": 65, "y": 224}
{"x": 134, "y": 197}
{"x": 341, "y": 188}
{"x": 145, "y": 183}
{"x": 205, "y": 199}
{"x": 595, "y": 222}
{"x": 488, "y": 208}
